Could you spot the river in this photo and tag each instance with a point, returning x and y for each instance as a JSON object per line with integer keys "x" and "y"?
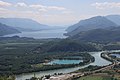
{"x": 56, "y": 33}
{"x": 98, "y": 61}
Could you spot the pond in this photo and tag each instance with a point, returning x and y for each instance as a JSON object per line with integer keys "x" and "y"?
{"x": 65, "y": 62}
{"x": 117, "y": 55}
{"x": 98, "y": 61}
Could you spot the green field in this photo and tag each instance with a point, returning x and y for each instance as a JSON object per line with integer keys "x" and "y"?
{"x": 95, "y": 78}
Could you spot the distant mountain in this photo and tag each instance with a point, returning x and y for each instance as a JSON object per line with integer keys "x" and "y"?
{"x": 89, "y": 24}
{"x": 24, "y": 24}
{"x": 99, "y": 35}
{"x": 114, "y": 18}
{"x": 4, "y": 30}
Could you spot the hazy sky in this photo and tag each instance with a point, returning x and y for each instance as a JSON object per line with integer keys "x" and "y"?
{"x": 58, "y": 12}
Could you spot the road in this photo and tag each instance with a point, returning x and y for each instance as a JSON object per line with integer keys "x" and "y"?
{"x": 69, "y": 76}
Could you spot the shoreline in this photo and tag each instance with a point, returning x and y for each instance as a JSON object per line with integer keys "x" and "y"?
{"x": 71, "y": 66}
{"x": 65, "y": 70}
{"x": 76, "y": 75}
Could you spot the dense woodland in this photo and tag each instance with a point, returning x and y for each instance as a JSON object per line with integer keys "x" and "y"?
{"x": 22, "y": 55}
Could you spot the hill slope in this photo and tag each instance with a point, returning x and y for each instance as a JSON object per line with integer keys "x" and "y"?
{"x": 89, "y": 24}
{"x": 99, "y": 35}
{"x": 65, "y": 45}
{"x": 23, "y": 24}
{"x": 4, "y": 30}
{"x": 114, "y": 18}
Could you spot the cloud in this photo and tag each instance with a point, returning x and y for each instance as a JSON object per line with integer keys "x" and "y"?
{"x": 21, "y": 4}
{"x": 3, "y": 9}
{"x": 67, "y": 12}
{"x": 5, "y": 4}
{"x": 56, "y": 8}
{"x": 46, "y": 8}
{"x": 106, "y": 5}
{"x": 42, "y": 9}
{"x": 32, "y": 7}
{"x": 41, "y": 13}
{"x": 38, "y": 6}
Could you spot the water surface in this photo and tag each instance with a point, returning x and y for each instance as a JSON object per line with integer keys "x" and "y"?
{"x": 43, "y": 34}
{"x": 65, "y": 62}
{"x": 98, "y": 61}
{"x": 117, "y": 55}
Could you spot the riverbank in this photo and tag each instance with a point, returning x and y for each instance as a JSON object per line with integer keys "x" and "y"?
{"x": 98, "y": 61}
{"x": 77, "y": 75}
{"x": 110, "y": 56}
{"x": 87, "y": 59}
{"x": 109, "y": 72}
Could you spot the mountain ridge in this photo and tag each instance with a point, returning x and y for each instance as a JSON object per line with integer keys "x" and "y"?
{"x": 24, "y": 24}
{"x": 89, "y": 24}
{"x": 99, "y": 35}
{"x": 114, "y": 18}
{"x": 5, "y": 29}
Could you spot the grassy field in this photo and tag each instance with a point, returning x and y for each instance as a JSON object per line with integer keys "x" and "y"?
{"x": 95, "y": 78}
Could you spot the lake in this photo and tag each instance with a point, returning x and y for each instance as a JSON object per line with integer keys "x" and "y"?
{"x": 56, "y": 33}
{"x": 98, "y": 61}
{"x": 65, "y": 62}
{"x": 43, "y": 34}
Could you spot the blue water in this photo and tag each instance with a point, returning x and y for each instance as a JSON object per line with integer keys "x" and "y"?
{"x": 98, "y": 61}
{"x": 44, "y": 34}
{"x": 65, "y": 62}
{"x": 117, "y": 55}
